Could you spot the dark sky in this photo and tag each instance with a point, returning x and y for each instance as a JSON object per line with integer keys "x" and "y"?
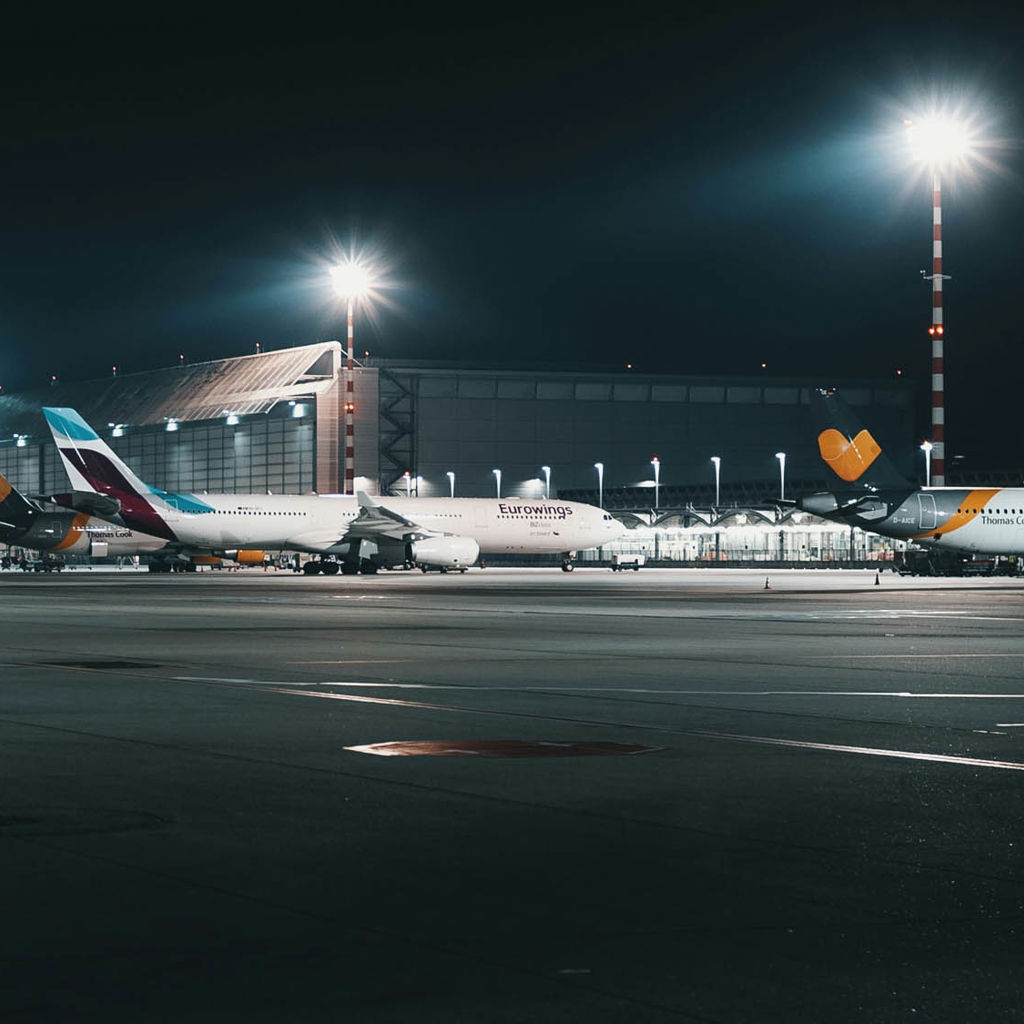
{"x": 695, "y": 191}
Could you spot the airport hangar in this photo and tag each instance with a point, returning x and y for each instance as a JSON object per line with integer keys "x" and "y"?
{"x": 274, "y": 421}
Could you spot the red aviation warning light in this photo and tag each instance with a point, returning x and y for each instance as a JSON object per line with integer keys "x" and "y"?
{"x": 350, "y": 407}
{"x": 936, "y": 329}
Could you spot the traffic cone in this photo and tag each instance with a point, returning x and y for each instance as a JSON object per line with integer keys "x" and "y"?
{"x": 767, "y": 585}
{"x": 878, "y": 578}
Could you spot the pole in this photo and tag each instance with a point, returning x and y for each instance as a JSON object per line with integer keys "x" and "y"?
{"x": 350, "y": 407}
{"x": 937, "y": 332}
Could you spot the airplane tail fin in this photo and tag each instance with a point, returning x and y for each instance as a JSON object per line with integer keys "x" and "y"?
{"x": 92, "y": 466}
{"x": 15, "y": 509}
{"x": 848, "y": 448}
{"x": 90, "y": 463}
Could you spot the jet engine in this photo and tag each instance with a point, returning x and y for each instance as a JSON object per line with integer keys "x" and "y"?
{"x": 243, "y": 556}
{"x": 444, "y": 552}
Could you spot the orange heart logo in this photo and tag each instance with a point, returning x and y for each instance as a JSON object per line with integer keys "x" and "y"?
{"x": 848, "y": 459}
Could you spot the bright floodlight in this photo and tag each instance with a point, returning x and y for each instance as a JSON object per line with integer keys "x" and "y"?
{"x": 351, "y": 280}
{"x": 939, "y": 141}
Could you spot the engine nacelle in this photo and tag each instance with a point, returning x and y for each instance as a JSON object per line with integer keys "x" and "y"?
{"x": 250, "y": 557}
{"x": 444, "y": 552}
{"x": 243, "y": 556}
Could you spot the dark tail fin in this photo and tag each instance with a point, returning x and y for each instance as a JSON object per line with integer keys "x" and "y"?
{"x": 15, "y": 508}
{"x": 847, "y": 447}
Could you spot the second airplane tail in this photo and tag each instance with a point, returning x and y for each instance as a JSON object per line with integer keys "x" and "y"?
{"x": 15, "y": 509}
{"x": 848, "y": 448}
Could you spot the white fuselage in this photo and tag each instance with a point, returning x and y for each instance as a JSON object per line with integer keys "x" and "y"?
{"x": 317, "y": 523}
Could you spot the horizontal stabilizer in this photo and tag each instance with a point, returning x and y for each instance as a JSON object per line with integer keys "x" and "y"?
{"x": 100, "y": 505}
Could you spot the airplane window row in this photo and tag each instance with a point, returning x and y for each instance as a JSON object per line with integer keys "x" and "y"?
{"x": 990, "y": 511}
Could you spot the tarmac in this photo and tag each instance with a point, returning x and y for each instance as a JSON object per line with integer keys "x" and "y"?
{"x": 672, "y": 795}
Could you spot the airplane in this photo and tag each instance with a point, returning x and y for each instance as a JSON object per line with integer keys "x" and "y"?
{"x": 873, "y": 495}
{"x": 25, "y": 523}
{"x": 350, "y": 533}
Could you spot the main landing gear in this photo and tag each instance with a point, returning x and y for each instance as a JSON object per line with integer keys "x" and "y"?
{"x": 569, "y": 562}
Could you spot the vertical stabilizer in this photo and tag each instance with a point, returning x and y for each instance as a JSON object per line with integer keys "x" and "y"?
{"x": 15, "y": 508}
{"x": 848, "y": 448}
{"x": 92, "y": 466}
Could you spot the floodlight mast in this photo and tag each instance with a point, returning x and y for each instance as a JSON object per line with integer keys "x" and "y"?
{"x": 937, "y": 332}
{"x": 351, "y": 281}
{"x": 938, "y": 142}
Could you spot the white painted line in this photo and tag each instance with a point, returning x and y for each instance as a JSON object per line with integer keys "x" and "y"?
{"x": 356, "y": 661}
{"x": 608, "y": 689}
{"x": 239, "y": 682}
{"x": 554, "y": 688}
{"x": 943, "y": 657}
{"x": 774, "y": 741}
{"x": 909, "y": 755}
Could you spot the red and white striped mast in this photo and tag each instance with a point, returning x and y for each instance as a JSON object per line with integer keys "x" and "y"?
{"x": 938, "y": 141}
{"x": 350, "y": 406}
{"x": 351, "y": 282}
{"x": 937, "y": 332}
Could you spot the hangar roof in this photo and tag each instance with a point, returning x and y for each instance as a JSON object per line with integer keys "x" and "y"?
{"x": 197, "y": 391}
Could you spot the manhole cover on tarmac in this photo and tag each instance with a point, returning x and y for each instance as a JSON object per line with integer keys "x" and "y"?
{"x": 500, "y": 748}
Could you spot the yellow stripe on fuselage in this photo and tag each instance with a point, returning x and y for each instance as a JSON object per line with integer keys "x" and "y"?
{"x": 972, "y": 505}
{"x": 75, "y": 530}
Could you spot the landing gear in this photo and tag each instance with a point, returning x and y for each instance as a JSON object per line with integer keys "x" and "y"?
{"x": 329, "y": 568}
{"x": 568, "y": 564}
{"x": 311, "y": 568}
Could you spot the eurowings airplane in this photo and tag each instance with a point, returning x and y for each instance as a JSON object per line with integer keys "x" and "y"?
{"x": 358, "y": 534}
{"x": 873, "y": 495}
{"x": 26, "y": 524}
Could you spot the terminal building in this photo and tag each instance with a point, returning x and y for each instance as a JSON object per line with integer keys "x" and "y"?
{"x": 274, "y": 422}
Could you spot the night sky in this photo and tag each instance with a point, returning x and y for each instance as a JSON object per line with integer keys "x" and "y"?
{"x": 698, "y": 191}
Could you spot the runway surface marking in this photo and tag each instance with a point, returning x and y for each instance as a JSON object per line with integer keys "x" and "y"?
{"x": 553, "y": 688}
{"x": 910, "y": 755}
{"x": 775, "y": 741}
{"x": 943, "y": 657}
{"x": 355, "y": 661}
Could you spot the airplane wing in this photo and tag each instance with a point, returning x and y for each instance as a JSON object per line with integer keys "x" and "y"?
{"x": 375, "y": 522}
